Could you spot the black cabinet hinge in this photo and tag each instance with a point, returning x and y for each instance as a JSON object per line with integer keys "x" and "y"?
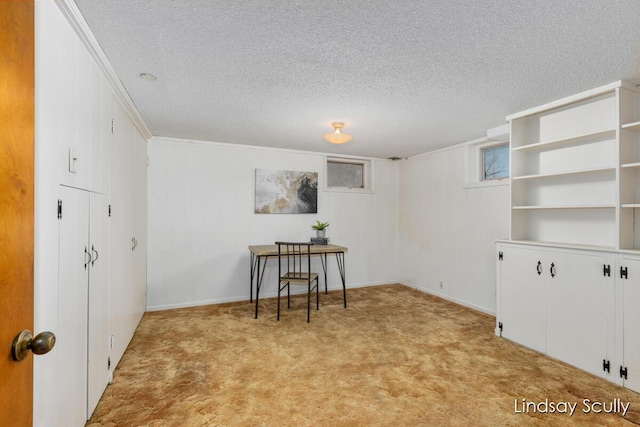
{"x": 500, "y": 256}
{"x": 109, "y": 210}
{"x": 623, "y": 273}
{"x": 606, "y": 365}
{"x": 108, "y": 363}
{"x": 59, "y": 209}
{"x": 606, "y": 270}
{"x": 623, "y": 372}
{"x": 500, "y": 327}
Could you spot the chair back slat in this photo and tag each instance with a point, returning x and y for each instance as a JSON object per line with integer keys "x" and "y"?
{"x": 297, "y": 256}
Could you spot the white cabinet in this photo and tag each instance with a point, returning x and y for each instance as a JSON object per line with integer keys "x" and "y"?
{"x": 558, "y": 302}
{"x": 82, "y": 333}
{"x": 76, "y": 157}
{"x": 522, "y": 295}
{"x": 629, "y": 296}
{"x": 575, "y": 206}
{"x": 579, "y": 308}
{"x": 128, "y": 231}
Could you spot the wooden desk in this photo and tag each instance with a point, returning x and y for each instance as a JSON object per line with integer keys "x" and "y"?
{"x": 258, "y": 252}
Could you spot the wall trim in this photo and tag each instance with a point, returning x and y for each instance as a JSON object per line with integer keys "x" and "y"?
{"x": 463, "y": 303}
{"x": 273, "y": 294}
{"x": 71, "y": 12}
{"x": 259, "y": 148}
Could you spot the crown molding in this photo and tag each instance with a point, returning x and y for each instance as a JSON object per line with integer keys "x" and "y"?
{"x": 73, "y": 15}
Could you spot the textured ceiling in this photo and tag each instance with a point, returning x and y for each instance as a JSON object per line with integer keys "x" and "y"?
{"x": 406, "y": 76}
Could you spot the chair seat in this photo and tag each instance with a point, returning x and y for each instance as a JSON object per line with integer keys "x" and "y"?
{"x": 299, "y": 277}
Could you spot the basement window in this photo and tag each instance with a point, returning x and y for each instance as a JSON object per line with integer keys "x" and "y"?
{"x": 486, "y": 164}
{"x": 495, "y": 162}
{"x": 347, "y": 174}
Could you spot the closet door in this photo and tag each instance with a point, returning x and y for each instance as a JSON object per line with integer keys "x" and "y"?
{"x": 71, "y": 336}
{"x": 121, "y": 243}
{"x": 98, "y": 322}
{"x": 139, "y": 174}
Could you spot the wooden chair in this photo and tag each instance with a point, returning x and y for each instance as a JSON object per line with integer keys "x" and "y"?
{"x": 294, "y": 268}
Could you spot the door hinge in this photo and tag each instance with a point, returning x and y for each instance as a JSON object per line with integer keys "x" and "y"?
{"x": 59, "y": 209}
{"x": 500, "y": 256}
{"x": 113, "y": 125}
{"x": 109, "y": 210}
{"x": 500, "y": 327}
{"x": 623, "y": 273}
{"x": 606, "y": 365}
{"x": 108, "y": 363}
{"x": 623, "y": 372}
{"x": 606, "y": 270}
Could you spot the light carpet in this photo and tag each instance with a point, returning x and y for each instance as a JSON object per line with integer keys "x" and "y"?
{"x": 395, "y": 357}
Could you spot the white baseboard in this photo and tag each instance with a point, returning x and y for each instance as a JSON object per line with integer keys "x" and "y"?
{"x": 449, "y": 298}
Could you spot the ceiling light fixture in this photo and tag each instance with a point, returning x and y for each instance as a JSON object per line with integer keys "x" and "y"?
{"x": 337, "y": 136}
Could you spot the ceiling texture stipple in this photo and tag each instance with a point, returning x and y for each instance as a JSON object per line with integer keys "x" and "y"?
{"x": 406, "y": 77}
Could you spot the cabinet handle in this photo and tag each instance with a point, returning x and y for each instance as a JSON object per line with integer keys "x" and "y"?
{"x": 86, "y": 252}
{"x": 552, "y": 270}
{"x": 97, "y": 255}
{"x": 539, "y": 268}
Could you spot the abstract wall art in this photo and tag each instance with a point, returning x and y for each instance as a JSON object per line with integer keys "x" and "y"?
{"x": 286, "y": 192}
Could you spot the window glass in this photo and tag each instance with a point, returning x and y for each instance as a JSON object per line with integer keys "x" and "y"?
{"x": 495, "y": 162}
{"x": 345, "y": 174}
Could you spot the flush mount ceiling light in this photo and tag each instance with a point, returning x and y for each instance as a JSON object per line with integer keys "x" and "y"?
{"x": 337, "y": 136}
{"x": 148, "y": 76}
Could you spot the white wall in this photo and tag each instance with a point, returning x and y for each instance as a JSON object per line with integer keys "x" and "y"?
{"x": 74, "y": 91}
{"x": 447, "y": 231}
{"x": 201, "y": 221}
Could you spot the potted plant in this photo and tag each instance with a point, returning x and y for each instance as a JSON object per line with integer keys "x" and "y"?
{"x": 320, "y": 228}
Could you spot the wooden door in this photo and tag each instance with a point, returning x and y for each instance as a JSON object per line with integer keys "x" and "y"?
{"x": 16, "y": 205}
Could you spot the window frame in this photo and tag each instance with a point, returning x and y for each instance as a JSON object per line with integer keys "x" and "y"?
{"x": 482, "y": 159}
{"x": 474, "y": 168}
{"x": 367, "y": 174}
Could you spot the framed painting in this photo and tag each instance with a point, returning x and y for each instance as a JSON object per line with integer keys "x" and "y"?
{"x": 286, "y": 192}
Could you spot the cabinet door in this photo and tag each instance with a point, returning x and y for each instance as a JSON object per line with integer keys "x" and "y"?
{"x": 98, "y": 322}
{"x": 139, "y": 226}
{"x": 121, "y": 244}
{"x": 631, "y": 324}
{"x": 579, "y": 297}
{"x": 522, "y": 296}
{"x": 71, "y": 336}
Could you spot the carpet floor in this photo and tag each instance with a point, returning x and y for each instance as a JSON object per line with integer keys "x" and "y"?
{"x": 394, "y": 357}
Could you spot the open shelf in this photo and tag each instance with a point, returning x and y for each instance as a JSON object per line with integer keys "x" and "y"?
{"x": 609, "y": 133}
{"x": 549, "y": 207}
{"x": 631, "y": 126}
{"x": 566, "y": 173}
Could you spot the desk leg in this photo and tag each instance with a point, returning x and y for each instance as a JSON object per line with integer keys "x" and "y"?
{"x": 323, "y": 259}
{"x": 341, "y": 268}
{"x": 252, "y": 271}
{"x": 259, "y": 277}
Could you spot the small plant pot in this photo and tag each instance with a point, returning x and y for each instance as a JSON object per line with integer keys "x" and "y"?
{"x": 320, "y": 233}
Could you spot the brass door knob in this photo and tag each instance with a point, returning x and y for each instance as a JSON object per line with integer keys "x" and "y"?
{"x": 25, "y": 341}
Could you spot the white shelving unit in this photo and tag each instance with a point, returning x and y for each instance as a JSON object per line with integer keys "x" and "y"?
{"x": 573, "y": 259}
{"x": 576, "y": 170}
